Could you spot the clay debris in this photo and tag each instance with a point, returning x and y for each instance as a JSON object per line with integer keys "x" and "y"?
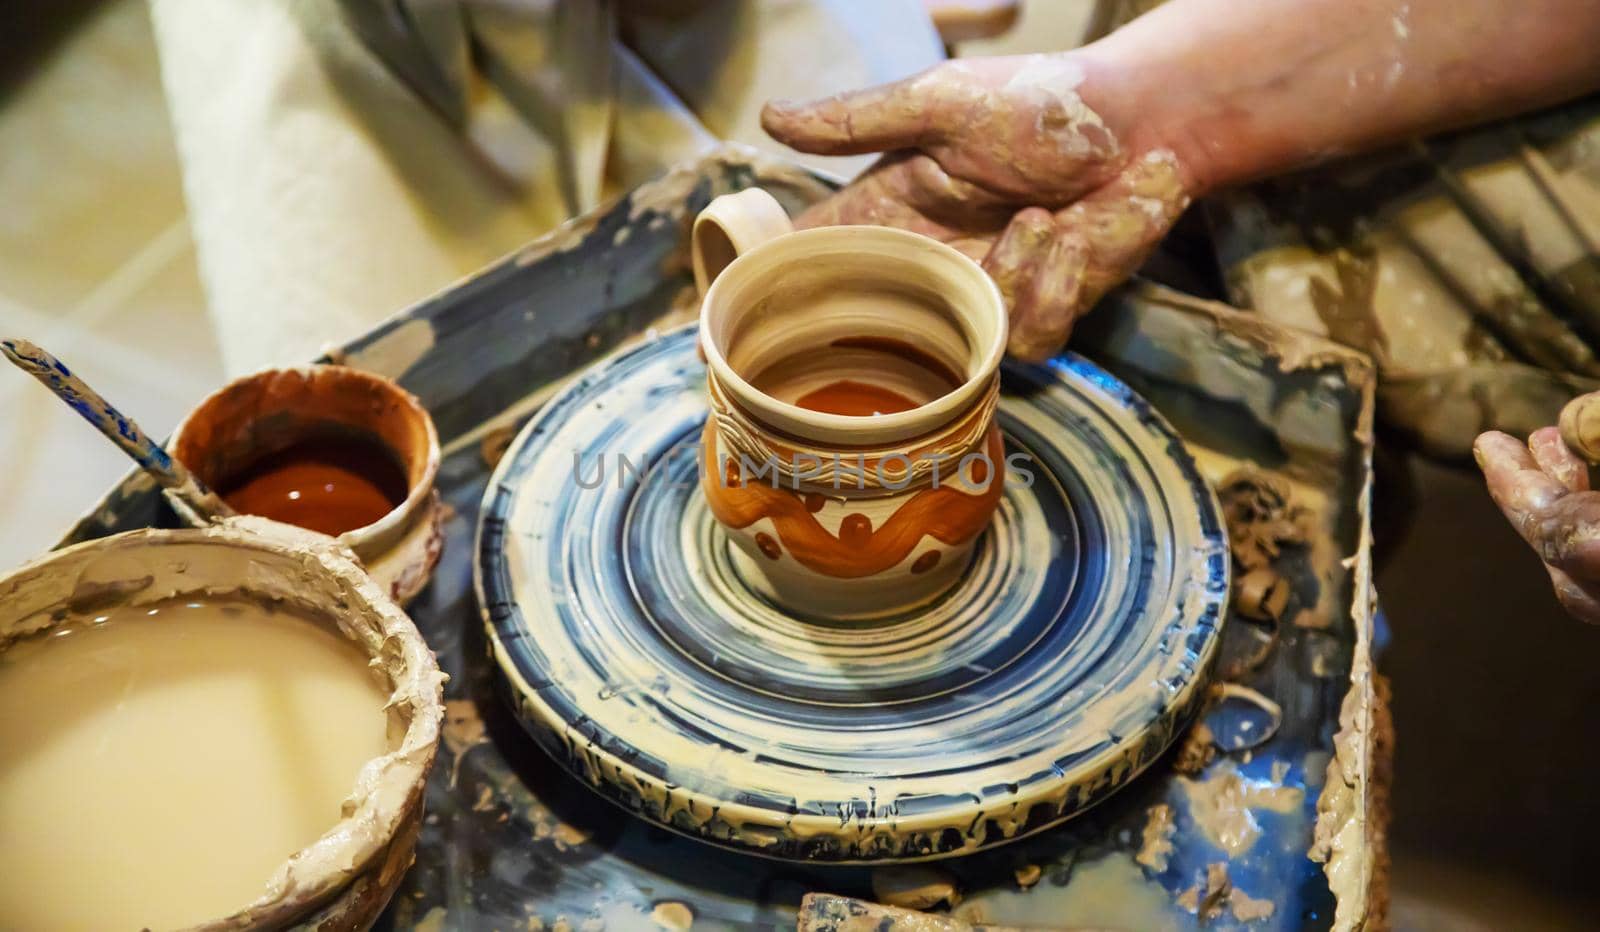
{"x": 1156, "y": 842}
{"x": 1196, "y": 750}
{"x": 1262, "y": 524}
{"x": 915, "y": 886}
{"x": 823, "y": 912}
{"x": 1223, "y": 806}
{"x": 1215, "y": 894}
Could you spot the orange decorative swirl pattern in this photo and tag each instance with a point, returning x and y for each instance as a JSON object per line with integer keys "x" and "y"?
{"x": 892, "y": 468}
{"x": 948, "y": 513}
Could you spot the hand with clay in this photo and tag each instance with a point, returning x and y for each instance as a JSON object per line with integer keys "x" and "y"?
{"x": 1003, "y": 159}
{"x": 1061, "y": 172}
{"x": 1542, "y": 487}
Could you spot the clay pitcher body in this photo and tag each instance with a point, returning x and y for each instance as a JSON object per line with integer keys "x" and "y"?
{"x": 851, "y": 453}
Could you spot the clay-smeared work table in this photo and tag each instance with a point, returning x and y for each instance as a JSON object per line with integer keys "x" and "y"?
{"x": 512, "y": 842}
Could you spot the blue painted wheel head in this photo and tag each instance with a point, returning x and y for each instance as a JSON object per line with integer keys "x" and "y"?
{"x": 1061, "y": 665}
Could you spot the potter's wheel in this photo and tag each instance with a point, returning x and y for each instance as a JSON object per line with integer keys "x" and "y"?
{"x": 1058, "y": 669}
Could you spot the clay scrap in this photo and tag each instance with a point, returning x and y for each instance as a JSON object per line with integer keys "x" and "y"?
{"x": 1215, "y": 894}
{"x": 823, "y": 912}
{"x": 915, "y": 886}
{"x": 1262, "y": 524}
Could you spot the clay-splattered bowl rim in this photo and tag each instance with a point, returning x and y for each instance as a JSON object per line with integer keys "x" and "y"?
{"x": 319, "y": 578}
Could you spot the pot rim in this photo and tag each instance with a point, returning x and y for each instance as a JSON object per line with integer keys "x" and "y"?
{"x": 951, "y": 264}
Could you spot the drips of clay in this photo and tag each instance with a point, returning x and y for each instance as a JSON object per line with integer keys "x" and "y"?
{"x": 331, "y": 449}
{"x": 219, "y": 728}
{"x": 851, "y": 455}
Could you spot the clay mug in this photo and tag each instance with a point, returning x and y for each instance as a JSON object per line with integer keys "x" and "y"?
{"x": 852, "y": 372}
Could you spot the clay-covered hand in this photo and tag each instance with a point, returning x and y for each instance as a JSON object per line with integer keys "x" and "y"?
{"x": 1543, "y": 489}
{"x": 1005, "y": 160}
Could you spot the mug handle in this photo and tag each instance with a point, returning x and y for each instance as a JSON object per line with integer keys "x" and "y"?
{"x": 730, "y": 226}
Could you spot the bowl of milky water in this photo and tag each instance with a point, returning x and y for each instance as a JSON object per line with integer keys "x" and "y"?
{"x": 220, "y": 728}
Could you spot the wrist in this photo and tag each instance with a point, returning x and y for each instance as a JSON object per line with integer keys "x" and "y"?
{"x": 1149, "y": 111}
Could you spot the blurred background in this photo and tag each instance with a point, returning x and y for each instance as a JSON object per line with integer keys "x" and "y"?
{"x": 1496, "y": 694}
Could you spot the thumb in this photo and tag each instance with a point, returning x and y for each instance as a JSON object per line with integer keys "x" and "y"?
{"x": 890, "y": 116}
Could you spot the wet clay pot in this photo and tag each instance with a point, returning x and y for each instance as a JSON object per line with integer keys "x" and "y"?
{"x": 269, "y": 412}
{"x": 851, "y": 453}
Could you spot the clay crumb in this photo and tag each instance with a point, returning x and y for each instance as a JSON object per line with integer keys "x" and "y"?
{"x": 567, "y": 837}
{"x": 1157, "y": 842}
{"x": 1262, "y": 522}
{"x": 1027, "y": 875}
{"x": 915, "y": 886}
{"x": 1218, "y": 888}
{"x": 673, "y": 915}
{"x": 1261, "y": 595}
{"x": 1208, "y": 896}
{"x": 1247, "y": 908}
{"x": 1196, "y": 750}
{"x": 822, "y": 912}
{"x": 1213, "y": 894}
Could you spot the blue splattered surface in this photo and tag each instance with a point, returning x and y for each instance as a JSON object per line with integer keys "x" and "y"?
{"x": 512, "y": 842}
{"x": 1075, "y": 646}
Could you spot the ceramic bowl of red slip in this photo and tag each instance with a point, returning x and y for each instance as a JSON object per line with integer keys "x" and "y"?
{"x": 330, "y": 449}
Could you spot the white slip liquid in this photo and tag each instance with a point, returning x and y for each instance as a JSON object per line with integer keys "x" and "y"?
{"x": 159, "y": 764}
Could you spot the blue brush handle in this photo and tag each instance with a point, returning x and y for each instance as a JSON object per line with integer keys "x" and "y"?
{"x": 97, "y": 411}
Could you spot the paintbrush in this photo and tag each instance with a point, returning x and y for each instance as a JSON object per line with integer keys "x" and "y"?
{"x": 118, "y": 427}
